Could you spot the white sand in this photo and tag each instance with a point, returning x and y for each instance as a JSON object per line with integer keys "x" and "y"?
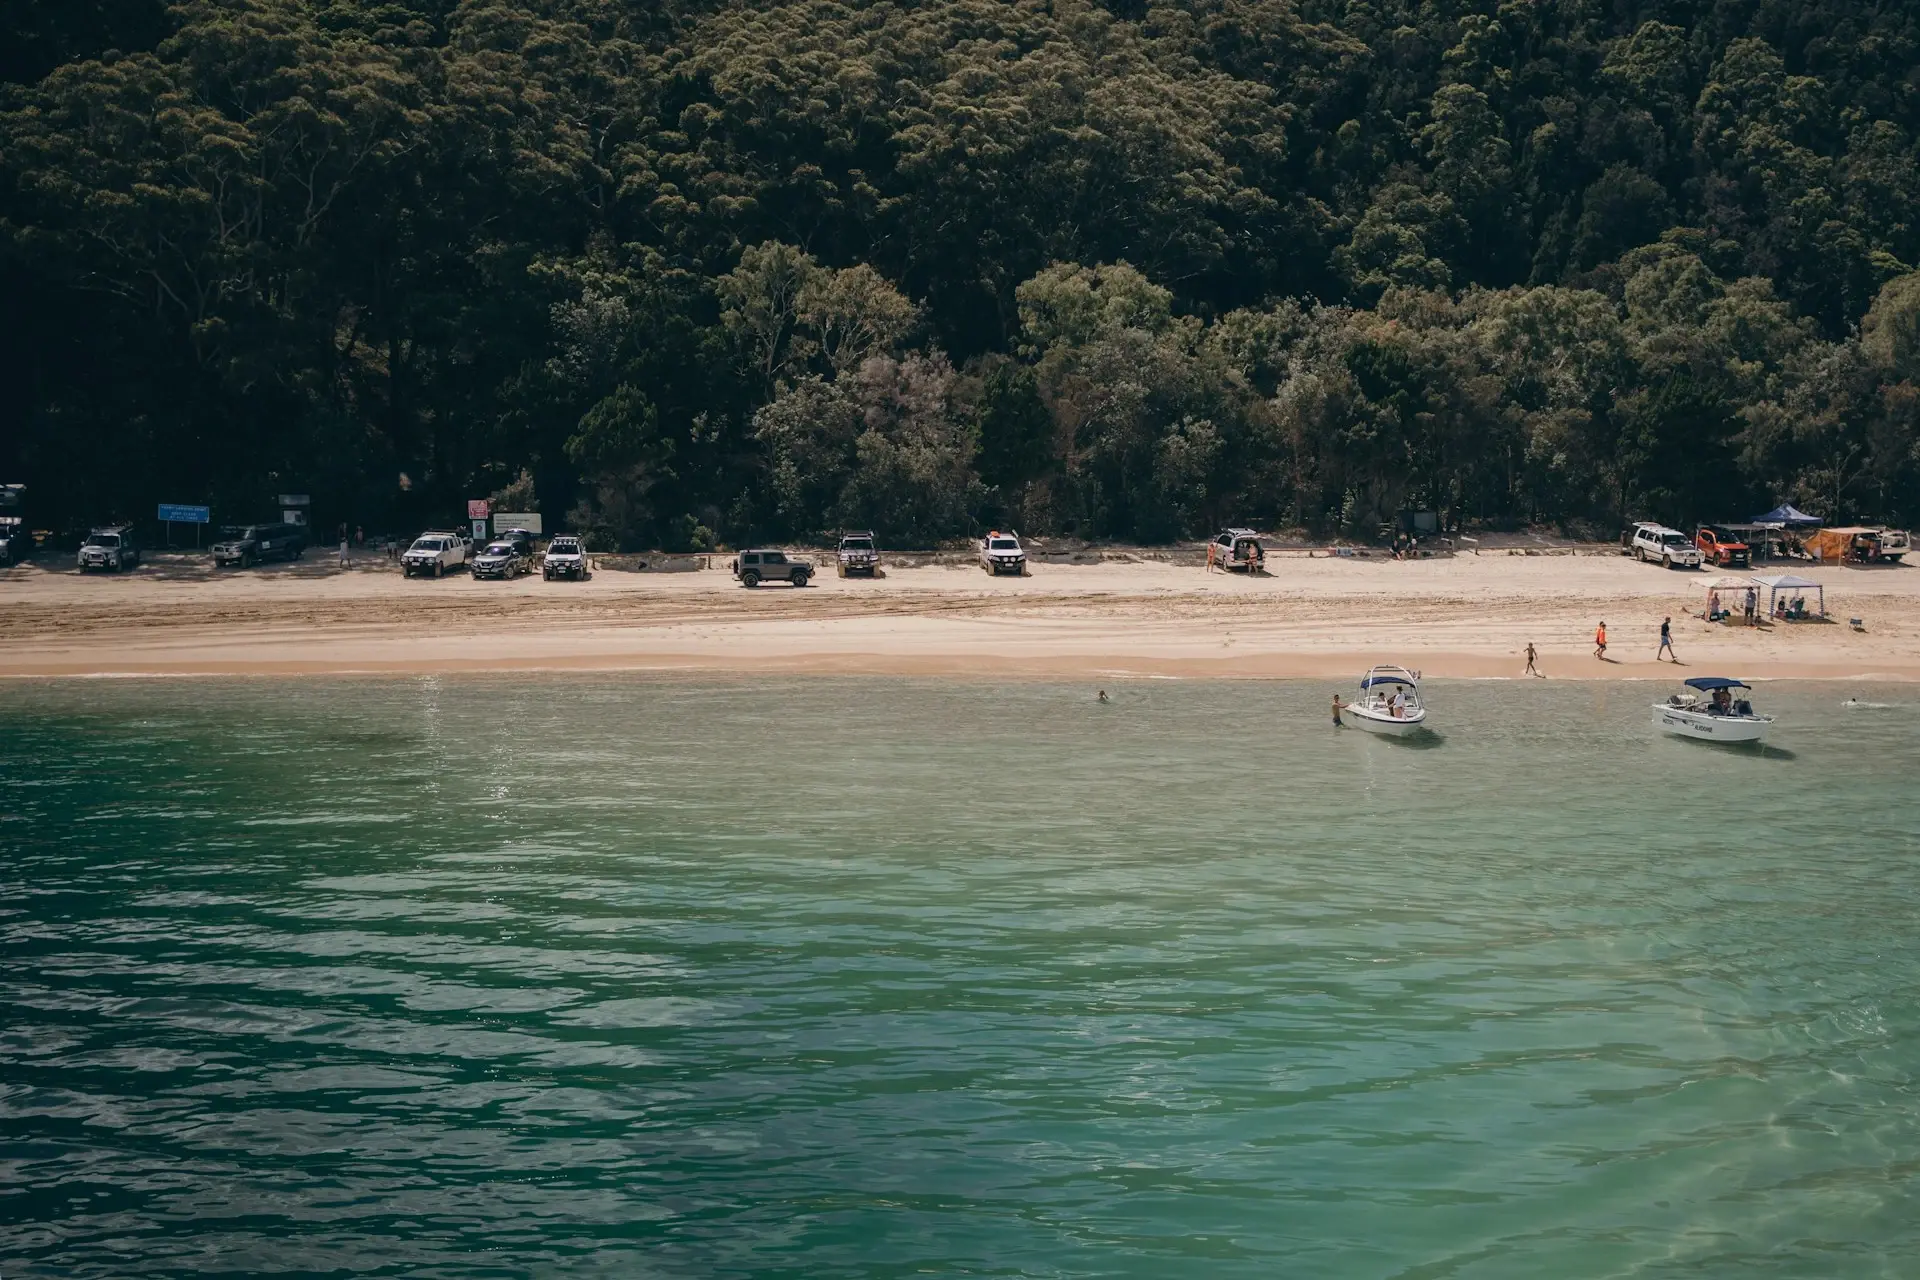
{"x": 1465, "y": 617}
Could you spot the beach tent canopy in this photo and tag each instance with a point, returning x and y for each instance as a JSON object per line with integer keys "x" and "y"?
{"x": 1707, "y": 684}
{"x": 1788, "y": 582}
{"x": 1789, "y": 515}
{"x": 1732, "y": 583}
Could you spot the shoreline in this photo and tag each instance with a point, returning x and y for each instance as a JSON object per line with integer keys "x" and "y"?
{"x": 1465, "y": 618}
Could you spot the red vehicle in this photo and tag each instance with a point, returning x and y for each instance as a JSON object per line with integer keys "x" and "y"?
{"x": 1718, "y": 546}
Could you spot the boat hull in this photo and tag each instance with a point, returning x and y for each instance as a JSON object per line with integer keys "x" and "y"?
{"x": 1705, "y": 728}
{"x": 1387, "y": 726}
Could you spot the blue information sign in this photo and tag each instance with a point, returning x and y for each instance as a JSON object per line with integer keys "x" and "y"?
{"x": 185, "y": 515}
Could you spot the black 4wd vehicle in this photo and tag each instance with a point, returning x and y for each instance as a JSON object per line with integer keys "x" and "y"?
{"x": 755, "y": 567}
{"x": 246, "y": 544}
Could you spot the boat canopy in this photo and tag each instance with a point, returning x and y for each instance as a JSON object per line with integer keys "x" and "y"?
{"x": 1373, "y": 678}
{"x": 1707, "y": 684}
{"x": 1788, "y": 514}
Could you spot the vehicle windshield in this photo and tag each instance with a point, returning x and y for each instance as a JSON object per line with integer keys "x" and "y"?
{"x": 103, "y": 539}
{"x": 1673, "y": 539}
{"x": 429, "y": 544}
{"x": 1003, "y": 544}
{"x": 499, "y": 549}
{"x": 563, "y": 547}
{"x": 857, "y": 544}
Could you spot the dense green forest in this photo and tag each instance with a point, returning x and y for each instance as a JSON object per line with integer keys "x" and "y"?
{"x": 694, "y": 272}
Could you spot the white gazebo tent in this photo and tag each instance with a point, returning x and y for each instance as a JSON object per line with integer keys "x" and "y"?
{"x": 1776, "y": 583}
{"x": 1730, "y": 592}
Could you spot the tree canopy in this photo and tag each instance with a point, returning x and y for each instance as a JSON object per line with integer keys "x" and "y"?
{"x": 708, "y": 271}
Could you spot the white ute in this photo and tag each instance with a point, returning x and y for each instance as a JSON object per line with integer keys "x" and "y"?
{"x": 1670, "y": 547}
{"x": 1002, "y": 553}
{"x": 432, "y": 554}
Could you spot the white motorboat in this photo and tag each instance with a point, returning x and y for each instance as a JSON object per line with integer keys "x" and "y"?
{"x": 1389, "y": 703}
{"x": 1720, "y": 717}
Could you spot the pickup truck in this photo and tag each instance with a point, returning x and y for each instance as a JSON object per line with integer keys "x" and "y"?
{"x": 755, "y": 567}
{"x": 432, "y": 554}
{"x": 858, "y": 554}
{"x": 1722, "y": 548}
{"x": 1002, "y": 553}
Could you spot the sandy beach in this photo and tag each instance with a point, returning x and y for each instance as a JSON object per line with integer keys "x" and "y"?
{"x": 1465, "y": 617}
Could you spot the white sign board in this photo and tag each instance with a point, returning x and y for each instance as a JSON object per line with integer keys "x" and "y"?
{"x": 528, "y": 520}
{"x": 479, "y": 530}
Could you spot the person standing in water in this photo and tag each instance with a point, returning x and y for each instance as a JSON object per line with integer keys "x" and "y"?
{"x": 1530, "y": 657}
{"x": 1600, "y": 640}
{"x": 1338, "y": 707}
{"x": 1666, "y": 641}
{"x": 1104, "y": 697}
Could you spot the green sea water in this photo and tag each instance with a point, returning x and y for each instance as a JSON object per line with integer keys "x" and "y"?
{"x": 594, "y": 975}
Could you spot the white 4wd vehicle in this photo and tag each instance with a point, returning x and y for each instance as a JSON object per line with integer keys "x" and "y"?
{"x": 1002, "y": 553}
{"x": 432, "y": 554}
{"x": 111, "y": 548}
{"x": 858, "y": 554}
{"x": 1669, "y": 546}
{"x": 565, "y": 558}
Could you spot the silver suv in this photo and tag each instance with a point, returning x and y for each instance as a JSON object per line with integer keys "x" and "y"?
{"x": 755, "y": 567}
{"x": 109, "y": 548}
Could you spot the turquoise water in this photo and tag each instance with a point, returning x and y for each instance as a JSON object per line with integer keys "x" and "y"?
{"x": 612, "y": 976}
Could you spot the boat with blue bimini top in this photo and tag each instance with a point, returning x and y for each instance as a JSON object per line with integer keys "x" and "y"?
{"x": 1389, "y": 703}
{"x": 1721, "y": 716}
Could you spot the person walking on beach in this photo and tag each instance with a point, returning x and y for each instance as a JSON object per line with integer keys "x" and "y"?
{"x": 346, "y": 551}
{"x": 1600, "y": 640}
{"x": 1530, "y": 657}
{"x": 1666, "y": 641}
{"x": 1752, "y": 599}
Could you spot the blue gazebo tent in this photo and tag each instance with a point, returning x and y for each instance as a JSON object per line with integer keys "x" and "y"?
{"x": 1790, "y": 516}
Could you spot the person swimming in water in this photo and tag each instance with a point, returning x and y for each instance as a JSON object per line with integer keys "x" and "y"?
{"x": 1104, "y": 697}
